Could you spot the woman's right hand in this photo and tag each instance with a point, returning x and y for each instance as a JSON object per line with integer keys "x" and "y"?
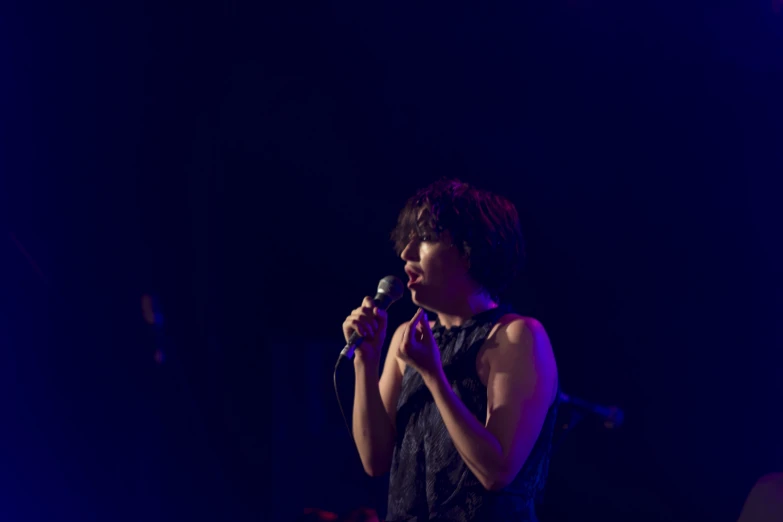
{"x": 370, "y": 321}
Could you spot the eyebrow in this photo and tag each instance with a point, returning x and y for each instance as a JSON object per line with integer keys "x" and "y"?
{"x": 425, "y": 224}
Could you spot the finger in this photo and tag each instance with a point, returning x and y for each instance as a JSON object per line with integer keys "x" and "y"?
{"x": 366, "y": 316}
{"x": 370, "y": 325}
{"x": 419, "y": 332}
{"x": 413, "y": 325}
{"x": 423, "y": 330}
{"x": 354, "y": 325}
{"x": 416, "y": 318}
{"x": 380, "y": 318}
{"x": 425, "y": 324}
{"x": 368, "y": 302}
{"x": 360, "y": 312}
{"x": 369, "y": 314}
{"x": 363, "y": 327}
{"x": 349, "y": 328}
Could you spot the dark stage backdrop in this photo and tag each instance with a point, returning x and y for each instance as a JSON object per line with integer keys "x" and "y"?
{"x": 244, "y": 162}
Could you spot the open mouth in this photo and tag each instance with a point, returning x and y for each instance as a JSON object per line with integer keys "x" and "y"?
{"x": 413, "y": 277}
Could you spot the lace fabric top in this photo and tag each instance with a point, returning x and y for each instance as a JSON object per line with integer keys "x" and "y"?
{"x": 429, "y": 480}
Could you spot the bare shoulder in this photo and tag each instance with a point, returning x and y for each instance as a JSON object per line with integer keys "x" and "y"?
{"x": 519, "y": 336}
{"x": 514, "y": 334}
{"x": 519, "y": 344}
{"x": 517, "y": 328}
{"x": 513, "y": 330}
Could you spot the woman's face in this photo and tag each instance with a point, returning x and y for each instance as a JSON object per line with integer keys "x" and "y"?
{"x": 437, "y": 272}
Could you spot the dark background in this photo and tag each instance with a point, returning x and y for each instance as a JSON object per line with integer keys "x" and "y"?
{"x": 245, "y": 161}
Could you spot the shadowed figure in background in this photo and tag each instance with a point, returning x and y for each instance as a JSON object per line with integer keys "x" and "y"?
{"x": 463, "y": 414}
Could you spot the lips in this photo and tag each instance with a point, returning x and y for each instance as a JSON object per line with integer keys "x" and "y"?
{"x": 414, "y": 277}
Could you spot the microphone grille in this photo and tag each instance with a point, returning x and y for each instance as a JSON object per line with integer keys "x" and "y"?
{"x": 391, "y": 286}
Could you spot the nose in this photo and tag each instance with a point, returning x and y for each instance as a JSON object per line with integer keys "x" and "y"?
{"x": 410, "y": 252}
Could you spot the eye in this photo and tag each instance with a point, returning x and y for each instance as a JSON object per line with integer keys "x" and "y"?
{"x": 421, "y": 236}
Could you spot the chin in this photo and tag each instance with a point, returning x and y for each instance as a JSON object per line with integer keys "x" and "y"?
{"x": 420, "y": 300}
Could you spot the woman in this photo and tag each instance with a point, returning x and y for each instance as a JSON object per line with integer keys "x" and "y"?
{"x": 464, "y": 411}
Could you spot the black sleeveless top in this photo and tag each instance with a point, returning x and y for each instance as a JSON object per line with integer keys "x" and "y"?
{"x": 429, "y": 480}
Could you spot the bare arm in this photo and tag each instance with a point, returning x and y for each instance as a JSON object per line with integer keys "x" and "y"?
{"x": 520, "y": 388}
{"x": 375, "y": 408}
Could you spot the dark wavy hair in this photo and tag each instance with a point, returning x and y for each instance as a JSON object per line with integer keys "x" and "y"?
{"x": 484, "y": 227}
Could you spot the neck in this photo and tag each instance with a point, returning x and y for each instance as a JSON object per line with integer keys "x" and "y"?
{"x": 460, "y": 310}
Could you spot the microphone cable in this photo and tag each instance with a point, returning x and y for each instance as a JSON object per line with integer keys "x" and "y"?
{"x": 337, "y": 393}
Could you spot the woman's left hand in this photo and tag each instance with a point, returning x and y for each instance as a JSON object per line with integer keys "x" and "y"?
{"x": 418, "y": 347}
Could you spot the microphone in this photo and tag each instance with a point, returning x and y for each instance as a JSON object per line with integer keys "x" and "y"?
{"x": 390, "y": 289}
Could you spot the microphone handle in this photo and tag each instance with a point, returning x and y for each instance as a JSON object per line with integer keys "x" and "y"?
{"x": 382, "y": 301}
{"x": 353, "y": 342}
